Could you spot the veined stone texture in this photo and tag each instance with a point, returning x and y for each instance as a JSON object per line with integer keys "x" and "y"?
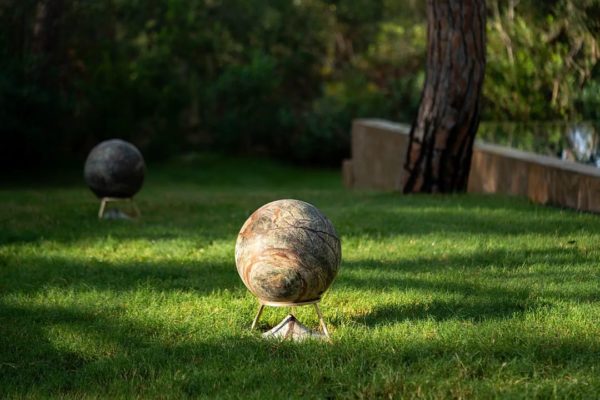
{"x": 288, "y": 252}
{"x": 115, "y": 168}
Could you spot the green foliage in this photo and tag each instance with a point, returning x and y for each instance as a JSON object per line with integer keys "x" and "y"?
{"x": 590, "y": 101}
{"x": 540, "y": 58}
{"x": 437, "y": 296}
{"x": 172, "y": 75}
{"x": 326, "y": 130}
{"x": 278, "y": 77}
{"x": 243, "y": 103}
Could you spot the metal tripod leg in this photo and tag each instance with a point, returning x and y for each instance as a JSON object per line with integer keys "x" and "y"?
{"x": 321, "y": 321}
{"x": 133, "y": 206}
{"x": 102, "y": 207}
{"x": 292, "y": 305}
{"x": 258, "y": 314}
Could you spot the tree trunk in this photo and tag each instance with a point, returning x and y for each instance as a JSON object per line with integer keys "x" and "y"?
{"x": 441, "y": 138}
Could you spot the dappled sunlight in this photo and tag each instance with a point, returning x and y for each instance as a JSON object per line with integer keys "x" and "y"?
{"x": 528, "y": 273}
{"x": 184, "y": 248}
{"x": 438, "y": 287}
{"x": 136, "y": 348}
{"x": 187, "y": 271}
{"x": 119, "y": 273}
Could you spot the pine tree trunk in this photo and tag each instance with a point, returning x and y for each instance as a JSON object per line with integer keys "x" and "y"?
{"x": 441, "y": 138}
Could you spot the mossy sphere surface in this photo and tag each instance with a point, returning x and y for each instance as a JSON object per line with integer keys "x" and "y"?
{"x": 115, "y": 168}
{"x": 288, "y": 252}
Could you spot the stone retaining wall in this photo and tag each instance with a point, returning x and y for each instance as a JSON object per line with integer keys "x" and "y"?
{"x": 379, "y": 150}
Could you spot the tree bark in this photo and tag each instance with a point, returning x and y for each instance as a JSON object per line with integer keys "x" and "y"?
{"x": 441, "y": 138}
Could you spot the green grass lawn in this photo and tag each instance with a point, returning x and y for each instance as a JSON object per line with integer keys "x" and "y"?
{"x": 437, "y": 296}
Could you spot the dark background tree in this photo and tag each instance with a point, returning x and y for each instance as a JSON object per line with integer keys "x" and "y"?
{"x": 441, "y": 138}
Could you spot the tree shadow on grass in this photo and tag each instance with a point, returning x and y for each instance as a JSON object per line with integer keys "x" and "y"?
{"x": 493, "y": 263}
{"x": 175, "y": 211}
{"x": 133, "y": 356}
{"x": 149, "y": 360}
{"x": 475, "y": 310}
{"x": 448, "y": 221}
{"x": 480, "y": 286}
{"x": 32, "y": 274}
{"x": 502, "y": 260}
{"x": 200, "y": 220}
{"x": 467, "y": 302}
{"x": 30, "y": 357}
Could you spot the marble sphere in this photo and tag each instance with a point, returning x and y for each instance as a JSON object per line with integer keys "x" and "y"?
{"x": 288, "y": 252}
{"x": 114, "y": 168}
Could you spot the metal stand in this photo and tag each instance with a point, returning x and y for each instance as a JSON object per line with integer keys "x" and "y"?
{"x": 105, "y": 200}
{"x": 305, "y": 303}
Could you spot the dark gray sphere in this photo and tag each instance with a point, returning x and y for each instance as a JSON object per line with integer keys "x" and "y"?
{"x": 115, "y": 168}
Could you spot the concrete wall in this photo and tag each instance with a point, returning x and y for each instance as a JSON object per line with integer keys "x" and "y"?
{"x": 379, "y": 150}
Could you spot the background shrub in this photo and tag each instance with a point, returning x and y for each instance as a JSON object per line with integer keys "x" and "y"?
{"x": 277, "y": 77}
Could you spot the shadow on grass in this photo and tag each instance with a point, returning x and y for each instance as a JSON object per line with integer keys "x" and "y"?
{"x": 206, "y": 170}
{"x": 475, "y": 309}
{"x": 33, "y": 274}
{"x": 30, "y": 356}
{"x": 499, "y": 289}
{"x": 197, "y": 219}
{"x": 502, "y": 260}
{"x": 35, "y": 356}
{"x": 467, "y": 302}
{"x": 131, "y": 359}
{"x": 473, "y": 218}
{"x": 189, "y": 215}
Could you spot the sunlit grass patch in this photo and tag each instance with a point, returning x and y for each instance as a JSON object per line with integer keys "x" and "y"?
{"x": 437, "y": 296}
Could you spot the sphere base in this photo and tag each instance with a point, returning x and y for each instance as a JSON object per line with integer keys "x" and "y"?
{"x": 292, "y": 329}
{"x": 105, "y": 200}
{"x": 315, "y": 303}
